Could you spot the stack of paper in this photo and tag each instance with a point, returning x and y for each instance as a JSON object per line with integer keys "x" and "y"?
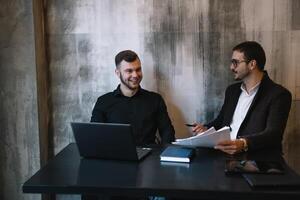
{"x": 209, "y": 138}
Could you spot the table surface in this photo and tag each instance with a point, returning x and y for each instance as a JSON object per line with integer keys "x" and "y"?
{"x": 204, "y": 177}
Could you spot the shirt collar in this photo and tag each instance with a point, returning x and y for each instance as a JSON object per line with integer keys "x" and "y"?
{"x": 252, "y": 90}
{"x": 118, "y": 92}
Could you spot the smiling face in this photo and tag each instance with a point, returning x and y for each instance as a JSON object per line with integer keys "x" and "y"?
{"x": 239, "y": 65}
{"x": 130, "y": 74}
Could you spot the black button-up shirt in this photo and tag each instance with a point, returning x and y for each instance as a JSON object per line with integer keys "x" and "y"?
{"x": 146, "y": 112}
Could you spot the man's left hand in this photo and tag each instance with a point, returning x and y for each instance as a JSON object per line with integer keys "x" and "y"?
{"x": 231, "y": 146}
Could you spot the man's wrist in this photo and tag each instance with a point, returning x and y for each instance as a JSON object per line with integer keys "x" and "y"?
{"x": 245, "y": 144}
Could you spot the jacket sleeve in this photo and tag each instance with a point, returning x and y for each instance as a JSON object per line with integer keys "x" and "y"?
{"x": 276, "y": 121}
{"x": 219, "y": 121}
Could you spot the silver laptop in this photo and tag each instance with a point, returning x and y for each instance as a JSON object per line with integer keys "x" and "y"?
{"x": 107, "y": 141}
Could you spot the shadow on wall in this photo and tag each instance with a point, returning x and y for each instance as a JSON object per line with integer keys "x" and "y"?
{"x": 175, "y": 113}
{"x": 179, "y": 121}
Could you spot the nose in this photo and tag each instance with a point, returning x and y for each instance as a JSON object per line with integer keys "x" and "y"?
{"x": 134, "y": 74}
{"x": 232, "y": 66}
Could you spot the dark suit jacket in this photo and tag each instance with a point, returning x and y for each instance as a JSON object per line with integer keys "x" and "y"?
{"x": 264, "y": 124}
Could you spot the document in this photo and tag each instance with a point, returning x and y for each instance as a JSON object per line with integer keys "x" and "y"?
{"x": 209, "y": 138}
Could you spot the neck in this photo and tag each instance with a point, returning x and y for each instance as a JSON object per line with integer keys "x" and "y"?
{"x": 127, "y": 91}
{"x": 253, "y": 79}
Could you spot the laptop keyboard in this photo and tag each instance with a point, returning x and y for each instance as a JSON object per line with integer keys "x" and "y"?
{"x": 141, "y": 152}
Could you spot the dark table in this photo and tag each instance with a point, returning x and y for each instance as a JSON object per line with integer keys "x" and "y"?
{"x": 204, "y": 177}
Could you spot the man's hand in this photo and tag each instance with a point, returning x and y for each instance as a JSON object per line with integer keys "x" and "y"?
{"x": 231, "y": 146}
{"x": 198, "y": 128}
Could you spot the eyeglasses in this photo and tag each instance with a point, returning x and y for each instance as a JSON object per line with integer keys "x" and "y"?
{"x": 237, "y": 62}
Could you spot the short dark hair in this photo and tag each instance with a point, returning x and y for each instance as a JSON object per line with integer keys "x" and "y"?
{"x": 127, "y": 55}
{"x": 252, "y": 51}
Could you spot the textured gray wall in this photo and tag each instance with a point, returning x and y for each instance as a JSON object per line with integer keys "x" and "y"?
{"x": 19, "y": 148}
{"x": 185, "y": 48}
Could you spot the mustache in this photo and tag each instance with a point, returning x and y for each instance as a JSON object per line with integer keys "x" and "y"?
{"x": 134, "y": 79}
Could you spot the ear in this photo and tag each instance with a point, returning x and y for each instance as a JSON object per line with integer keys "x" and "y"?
{"x": 253, "y": 64}
{"x": 117, "y": 72}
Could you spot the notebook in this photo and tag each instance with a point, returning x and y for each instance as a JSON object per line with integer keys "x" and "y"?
{"x": 288, "y": 180}
{"x": 177, "y": 154}
{"x": 107, "y": 141}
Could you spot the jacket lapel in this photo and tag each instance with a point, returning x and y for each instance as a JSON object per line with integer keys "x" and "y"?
{"x": 261, "y": 90}
{"x": 235, "y": 98}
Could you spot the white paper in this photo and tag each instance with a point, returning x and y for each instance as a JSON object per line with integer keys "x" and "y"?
{"x": 209, "y": 138}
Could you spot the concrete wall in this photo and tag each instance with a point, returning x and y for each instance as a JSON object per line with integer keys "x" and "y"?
{"x": 19, "y": 147}
{"x": 185, "y": 49}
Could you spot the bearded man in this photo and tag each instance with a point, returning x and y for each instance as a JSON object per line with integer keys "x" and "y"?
{"x": 146, "y": 111}
{"x": 256, "y": 108}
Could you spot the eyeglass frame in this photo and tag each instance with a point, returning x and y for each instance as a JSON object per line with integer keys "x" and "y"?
{"x": 236, "y": 62}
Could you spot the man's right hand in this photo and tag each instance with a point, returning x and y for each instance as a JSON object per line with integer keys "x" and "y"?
{"x": 198, "y": 128}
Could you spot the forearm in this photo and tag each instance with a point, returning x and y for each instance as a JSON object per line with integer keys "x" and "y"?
{"x": 216, "y": 123}
{"x": 271, "y": 136}
{"x": 165, "y": 127}
{"x": 265, "y": 139}
{"x": 168, "y": 137}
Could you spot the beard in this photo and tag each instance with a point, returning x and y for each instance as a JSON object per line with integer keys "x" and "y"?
{"x": 128, "y": 83}
{"x": 239, "y": 76}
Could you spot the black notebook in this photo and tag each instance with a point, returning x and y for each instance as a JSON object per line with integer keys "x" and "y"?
{"x": 177, "y": 154}
{"x": 288, "y": 180}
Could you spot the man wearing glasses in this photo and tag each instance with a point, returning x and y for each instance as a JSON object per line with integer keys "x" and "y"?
{"x": 255, "y": 108}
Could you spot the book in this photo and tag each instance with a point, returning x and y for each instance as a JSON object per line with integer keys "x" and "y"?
{"x": 177, "y": 154}
{"x": 208, "y": 138}
{"x": 289, "y": 180}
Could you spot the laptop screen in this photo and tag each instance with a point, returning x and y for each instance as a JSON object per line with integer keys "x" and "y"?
{"x": 105, "y": 140}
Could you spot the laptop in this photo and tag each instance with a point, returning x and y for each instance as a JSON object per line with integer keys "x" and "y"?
{"x": 107, "y": 141}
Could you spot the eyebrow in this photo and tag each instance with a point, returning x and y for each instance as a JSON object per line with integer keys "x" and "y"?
{"x": 130, "y": 69}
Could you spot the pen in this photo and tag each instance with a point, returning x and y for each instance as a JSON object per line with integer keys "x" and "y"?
{"x": 190, "y": 125}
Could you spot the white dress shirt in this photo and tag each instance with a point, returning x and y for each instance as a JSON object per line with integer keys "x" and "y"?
{"x": 242, "y": 108}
